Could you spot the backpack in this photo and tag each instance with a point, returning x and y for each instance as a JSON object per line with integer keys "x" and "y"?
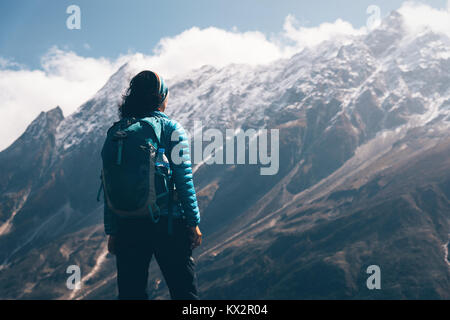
{"x": 132, "y": 183}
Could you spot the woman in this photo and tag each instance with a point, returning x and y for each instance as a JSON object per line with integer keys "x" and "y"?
{"x": 135, "y": 240}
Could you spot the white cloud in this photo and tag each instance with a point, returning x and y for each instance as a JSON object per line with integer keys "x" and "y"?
{"x": 6, "y": 63}
{"x": 196, "y": 47}
{"x": 419, "y": 16}
{"x": 308, "y": 37}
{"x": 66, "y": 79}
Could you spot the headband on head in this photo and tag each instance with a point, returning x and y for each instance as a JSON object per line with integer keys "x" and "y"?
{"x": 163, "y": 90}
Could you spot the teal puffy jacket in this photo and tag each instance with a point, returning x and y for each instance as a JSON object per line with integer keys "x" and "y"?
{"x": 186, "y": 204}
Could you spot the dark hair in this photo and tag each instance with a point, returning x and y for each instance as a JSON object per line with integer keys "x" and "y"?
{"x": 141, "y": 97}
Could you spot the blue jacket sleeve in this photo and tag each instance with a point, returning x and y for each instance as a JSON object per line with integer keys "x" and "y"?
{"x": 180, "y": 159}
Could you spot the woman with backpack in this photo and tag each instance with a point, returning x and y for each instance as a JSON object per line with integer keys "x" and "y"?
{"x": 150, "y": 202}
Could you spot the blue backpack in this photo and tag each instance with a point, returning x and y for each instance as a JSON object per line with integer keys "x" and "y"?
{"x": 132, "y": 183}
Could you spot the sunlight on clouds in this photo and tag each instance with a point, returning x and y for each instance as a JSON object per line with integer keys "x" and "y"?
{"x": 196, "y": 47}
{"x": 308, "y": 37}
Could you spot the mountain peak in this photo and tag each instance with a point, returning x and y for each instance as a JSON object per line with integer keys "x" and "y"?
{"x": 44, "y": 123}
{"x": 394, "y": 20}
{"x": 390, "y": 32}
{"x": 55, "y": 114}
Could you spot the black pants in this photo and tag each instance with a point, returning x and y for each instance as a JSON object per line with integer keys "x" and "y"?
{"x": 137, "y": 241}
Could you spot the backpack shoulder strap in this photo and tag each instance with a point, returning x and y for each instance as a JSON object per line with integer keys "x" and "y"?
{"x": 112, "y": 127}
{"x": 156, "y": 125}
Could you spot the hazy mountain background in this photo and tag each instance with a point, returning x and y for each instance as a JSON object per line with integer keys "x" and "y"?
{"x": 364, "y": 179}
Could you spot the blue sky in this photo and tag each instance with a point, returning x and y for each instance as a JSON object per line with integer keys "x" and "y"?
{"x": 28, "y": 29}
{"x": 43, "y": 64}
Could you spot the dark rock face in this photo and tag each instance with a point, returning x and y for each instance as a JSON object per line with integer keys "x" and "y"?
{"x": 25, "y": 161}
{"x": 364, "y": 179}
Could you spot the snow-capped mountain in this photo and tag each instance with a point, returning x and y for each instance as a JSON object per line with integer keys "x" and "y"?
{"x": 364, "y": 178}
